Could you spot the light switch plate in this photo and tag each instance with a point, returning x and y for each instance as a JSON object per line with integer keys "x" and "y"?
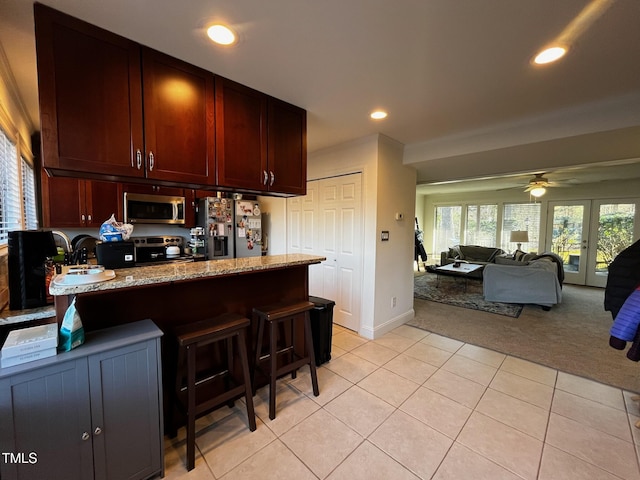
{"x": 384, "y": 236}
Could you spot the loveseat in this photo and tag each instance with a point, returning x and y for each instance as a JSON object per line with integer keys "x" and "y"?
{"x": 470, "y": 254}
{"x": 527, "y": 279}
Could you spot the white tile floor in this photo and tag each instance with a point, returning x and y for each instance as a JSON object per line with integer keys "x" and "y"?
{"x": 417, "y": 405}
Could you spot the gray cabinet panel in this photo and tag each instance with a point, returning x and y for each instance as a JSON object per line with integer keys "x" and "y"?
{"x": 92, "y": 416}
{"x": 44, "y": 413}
{"x": 125, "y": 406}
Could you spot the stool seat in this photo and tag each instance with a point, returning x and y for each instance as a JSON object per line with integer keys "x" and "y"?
{"x": 190, "y": 338}
{"x": 274, "y": 315}
{"x": 280, "y": 310}
{"x": 210, "y": 329}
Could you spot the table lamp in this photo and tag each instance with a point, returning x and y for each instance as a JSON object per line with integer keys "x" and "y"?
{"x": 519, "y": 236}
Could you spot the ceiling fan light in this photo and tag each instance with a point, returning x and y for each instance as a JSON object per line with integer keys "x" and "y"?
{"x": 550, "y": 55}
{"x": 538, "y": 191}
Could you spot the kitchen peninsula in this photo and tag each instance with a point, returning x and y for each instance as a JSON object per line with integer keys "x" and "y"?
{"x": 181, "y": 293}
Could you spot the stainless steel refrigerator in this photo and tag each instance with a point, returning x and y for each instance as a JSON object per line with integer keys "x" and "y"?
{"x": 216, "y": 216}
{"x": 247, "y": 229}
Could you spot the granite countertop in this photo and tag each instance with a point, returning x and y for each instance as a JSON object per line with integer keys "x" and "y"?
{"x": 9, "y": 317}
{"x": 151, "y": 275}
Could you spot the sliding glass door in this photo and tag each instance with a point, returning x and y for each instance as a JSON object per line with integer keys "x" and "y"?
{"x": 589, "y": 234}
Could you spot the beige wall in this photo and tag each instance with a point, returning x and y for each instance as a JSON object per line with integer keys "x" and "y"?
{"x": 387, "y": 187}
{"x": 394, "y": 258}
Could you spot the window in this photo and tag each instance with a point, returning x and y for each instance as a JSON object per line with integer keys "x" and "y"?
{"x": 521, "y": 216}
{"x": 28, "y": 196}
{"x": 448, "y": 226}
{"x": 17, "y": 190}
{"x": 10, "y": 212}
{"x": 481, "y": 227}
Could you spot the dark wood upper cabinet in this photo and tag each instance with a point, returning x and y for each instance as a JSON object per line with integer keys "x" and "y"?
{"x": 115, "y": 110}
{"x": 287, "y": 140}
{"x": 73, "y": 202}
{"x": 94, "y": 87}
{"x": 178, "y": 120}
{"x": 90, "y": 92}
{"x": 241, "y": 136}
{"x": 261, "y": 142}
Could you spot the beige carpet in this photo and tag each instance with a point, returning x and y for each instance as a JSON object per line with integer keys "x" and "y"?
{"x": 572, "y": 337}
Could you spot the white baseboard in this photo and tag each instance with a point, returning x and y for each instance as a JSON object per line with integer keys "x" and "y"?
{"x": 380, "y": 330}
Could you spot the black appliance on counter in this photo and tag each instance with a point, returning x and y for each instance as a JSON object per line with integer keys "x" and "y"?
{"x": 28, "y": 250}
{"x": 161, "y": 249}
{"x": 115, "y": 254}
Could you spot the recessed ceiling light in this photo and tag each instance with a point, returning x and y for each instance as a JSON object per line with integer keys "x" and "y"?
{"x": 378, "y": 115}
{"x": 221, "y": 35}
{"x": 549, "y": 55}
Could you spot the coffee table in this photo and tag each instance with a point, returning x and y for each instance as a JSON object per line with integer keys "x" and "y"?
{"x": 462, "y": 271}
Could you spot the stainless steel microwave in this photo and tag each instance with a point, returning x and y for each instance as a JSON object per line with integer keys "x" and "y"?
{"x": 163, "y": 209}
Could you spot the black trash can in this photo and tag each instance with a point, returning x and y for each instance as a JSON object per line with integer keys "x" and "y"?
{"x": 322, "y": 328}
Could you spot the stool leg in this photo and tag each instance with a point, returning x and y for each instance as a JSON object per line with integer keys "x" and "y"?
{"x": 291, "y": 342}
{"x": 230, "y": 364}
{"x": 273, "y": 359}
{"x": 242, "y": 348}
{"x": 191, "y": 406}
{"x": 312, "y": 358}
{"x": 258, "y": 349}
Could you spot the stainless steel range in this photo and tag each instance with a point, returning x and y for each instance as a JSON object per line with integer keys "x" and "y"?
{"x": 160, "y": 249}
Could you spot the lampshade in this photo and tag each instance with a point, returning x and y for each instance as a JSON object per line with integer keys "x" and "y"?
{"x": 519, "y": 236}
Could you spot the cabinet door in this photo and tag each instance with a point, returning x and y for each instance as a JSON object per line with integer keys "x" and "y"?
{"x": 102, "y": 201}
{"x": 287, "y": 148}
{"x": 178, "y": 120}
{"x": 62, "y": 201}
{"x": 241, "y": 136}
{"x": 90, "y": 96}
{"x": 125, "y": 407}
{"x": 45, "y": 413}
{"x": 72, "y": 202}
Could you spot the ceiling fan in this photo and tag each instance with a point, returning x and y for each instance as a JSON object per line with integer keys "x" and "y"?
{"x": 538, "y": 185}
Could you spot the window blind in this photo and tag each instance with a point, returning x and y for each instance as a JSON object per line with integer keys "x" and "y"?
{"x": 10, "y": 201}
{"x": 29, "y": 196}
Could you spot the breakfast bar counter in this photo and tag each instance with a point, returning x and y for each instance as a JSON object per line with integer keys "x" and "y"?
{"x": 192, "y": 288}
{"x": 177, "y": 294}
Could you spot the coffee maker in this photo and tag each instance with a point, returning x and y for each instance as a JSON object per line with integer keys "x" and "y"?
{"x": 28, "y": 251}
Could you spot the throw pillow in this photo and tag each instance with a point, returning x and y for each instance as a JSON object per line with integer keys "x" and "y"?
{"x": 508, "y": 261}
{"x": 518, "y": 254}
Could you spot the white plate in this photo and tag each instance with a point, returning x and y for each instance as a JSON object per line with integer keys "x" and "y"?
{"x": 67, "y": 280}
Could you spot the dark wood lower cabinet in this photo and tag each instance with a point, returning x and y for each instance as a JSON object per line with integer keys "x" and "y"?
{"x": 94, "y": 412}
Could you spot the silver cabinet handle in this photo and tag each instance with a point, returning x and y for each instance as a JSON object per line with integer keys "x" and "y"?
{"x": 138, "y": 159}
{"x": 85, "y": 436}
{"x": 273, "y": 178}
{"x": 151, "y": 161}
{"x": 82, "y": 217}
{"x": 88, "y": 218}
{"x": 97, "y": 431}
{"x": 265, "y": 179}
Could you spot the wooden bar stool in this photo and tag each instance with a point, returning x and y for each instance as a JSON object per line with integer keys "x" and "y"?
{"x": 199, "y": 398}
{"x": 275, "y": 315}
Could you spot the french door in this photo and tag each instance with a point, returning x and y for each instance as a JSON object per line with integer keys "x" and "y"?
{"x": 328, "y": 222}
{"x": 588, "y": 234}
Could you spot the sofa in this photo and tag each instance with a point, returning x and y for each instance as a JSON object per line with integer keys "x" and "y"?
{"x": 471, "y": 254}
{"x": 526, "y": 279}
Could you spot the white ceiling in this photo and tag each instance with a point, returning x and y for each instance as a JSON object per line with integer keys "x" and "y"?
{"x": 455, "y": 75}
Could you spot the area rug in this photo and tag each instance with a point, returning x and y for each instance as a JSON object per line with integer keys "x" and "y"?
{"x": 460, "y": 292}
